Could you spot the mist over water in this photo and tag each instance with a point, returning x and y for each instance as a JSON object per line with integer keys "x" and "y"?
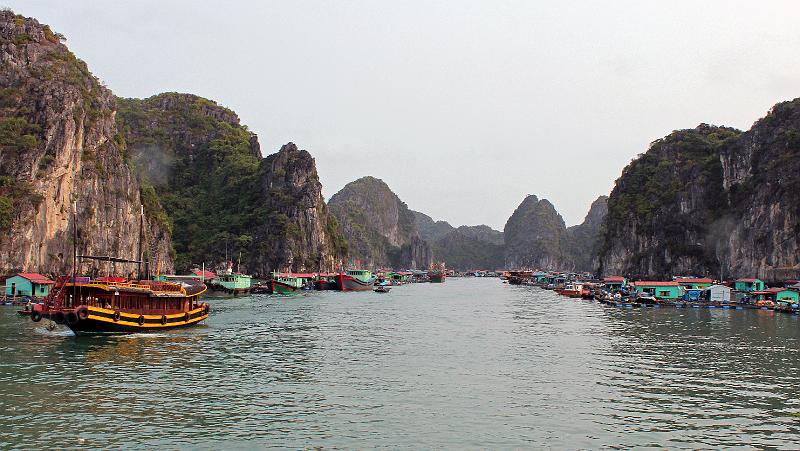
{"x": 472, "y": 363}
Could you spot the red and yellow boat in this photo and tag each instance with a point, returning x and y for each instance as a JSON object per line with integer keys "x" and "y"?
{"x": 115, "y": 305}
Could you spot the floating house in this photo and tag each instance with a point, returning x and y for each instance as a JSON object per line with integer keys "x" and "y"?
{"x": 540, "y": 277}
{"x": 28, "y": 284}
{"x": 663, "y": 290}
{"x": 399, "y": 276}
{"x": 694, "y": 283}
{"x": 718, "y": 293}
{"x": 748, "y": 285}
{"x": 777, "y": 294}
{"x": 614, "y": 283}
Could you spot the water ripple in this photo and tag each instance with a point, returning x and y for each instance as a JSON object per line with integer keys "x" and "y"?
{"x": 469, "y": 364}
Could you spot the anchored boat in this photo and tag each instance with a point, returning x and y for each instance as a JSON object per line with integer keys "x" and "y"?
{"x": 286, "y": 284}
{"x": 355, "y": 280}
{"x": 437, "y": 273}
{"x": 230, "y": 282}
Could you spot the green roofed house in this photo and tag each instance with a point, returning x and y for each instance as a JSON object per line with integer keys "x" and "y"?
{"x": 662, "y": 290}
{"x": 28, "y": 284}
{"x": 748, "y": 285}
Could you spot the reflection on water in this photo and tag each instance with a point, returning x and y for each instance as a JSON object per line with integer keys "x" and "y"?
{"x": 468, "y": 364}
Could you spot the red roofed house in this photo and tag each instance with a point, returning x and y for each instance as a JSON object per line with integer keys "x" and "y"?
{"x": 28, "y": 284}
{"x": 695, "y": 283}
{"x": 204, "y": 275}
{"x": 662, "y": 290}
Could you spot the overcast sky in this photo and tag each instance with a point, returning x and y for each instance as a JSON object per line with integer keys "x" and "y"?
{"x": 462, "y": 107}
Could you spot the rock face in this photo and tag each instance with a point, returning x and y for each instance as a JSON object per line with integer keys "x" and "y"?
{"x": 581, "y": 244}
{"x": 379, "y": 228}
{"x": 533, "y": 235}
{"x": 761, "y": 175}
{"x": 471, "y": 247}
{"x": 430, "y": 230}
{"x": 711, "y": 200}
{"x": 58, "y": 143}
{"x": 224, "y": 200}
{"x": 537, "y": 238}
{"x": 462, "y": 248}
{"x": 299, "y": 233}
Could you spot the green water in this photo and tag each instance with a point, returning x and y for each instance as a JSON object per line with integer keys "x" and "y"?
{"x": 472, "y": 363}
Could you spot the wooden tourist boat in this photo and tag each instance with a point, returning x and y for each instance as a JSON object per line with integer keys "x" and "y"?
{"x": 355, "y": 280}
{"x": 100, "y": 306}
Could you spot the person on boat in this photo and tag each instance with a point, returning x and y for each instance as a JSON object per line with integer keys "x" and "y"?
{"x": 28, "y": 306}
{"x": 108, "y": 305}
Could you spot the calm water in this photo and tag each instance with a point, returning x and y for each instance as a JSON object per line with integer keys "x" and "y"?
{"x": 473, "y": 363}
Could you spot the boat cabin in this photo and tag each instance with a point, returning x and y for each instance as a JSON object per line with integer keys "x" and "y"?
{"x": 662, "y": 290}
{"x": 28, "y": 284}
{"x": 360, "y": 274}
{"x": 748, "y": 285}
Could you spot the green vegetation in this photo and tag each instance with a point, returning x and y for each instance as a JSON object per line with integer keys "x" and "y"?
{"x": 671, "y": 194}
{"x": 200, "y": 169}
{"x": 17, "y": 134}
{"x": 651, "y": 185}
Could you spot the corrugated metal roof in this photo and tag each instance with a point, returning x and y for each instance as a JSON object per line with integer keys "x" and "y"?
{"x": 36, "y": 278}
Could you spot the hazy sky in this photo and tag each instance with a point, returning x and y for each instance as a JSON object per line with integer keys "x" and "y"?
{"x": 462, "y": 107}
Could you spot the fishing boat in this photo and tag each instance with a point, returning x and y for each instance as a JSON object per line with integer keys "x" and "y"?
{"x": 261, "y": 288}
{"x": 286, "y": 284}
{"x": 325, "y": 281}
{"x": 232, "y": 283}
{"x": 572, "y": 290}
{"x": 437, "y": 273}
{"x": 355, "y": 280}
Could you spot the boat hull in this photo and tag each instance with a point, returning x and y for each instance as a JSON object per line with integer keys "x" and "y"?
{"x": 282, "y": 288}
{"x": 348, "y": 283}
{"x": 95, "y": 320}
{"x": 437, "y": 277}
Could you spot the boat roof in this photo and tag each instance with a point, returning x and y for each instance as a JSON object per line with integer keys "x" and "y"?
{"x": 748, "y": 280}
{"x": 207, "y": 274}
{"x": 614, "y": 279}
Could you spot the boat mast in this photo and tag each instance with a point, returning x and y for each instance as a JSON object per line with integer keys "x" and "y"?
{"x": 74, "y": 247}
{"x": 141, "y": 238}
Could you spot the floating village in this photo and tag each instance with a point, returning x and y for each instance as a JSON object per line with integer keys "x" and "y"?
{"x": 680, "y": 292}
{"x": 114, "y": 304}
